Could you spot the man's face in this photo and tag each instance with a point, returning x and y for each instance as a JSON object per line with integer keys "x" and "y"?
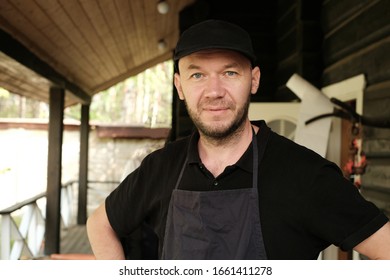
{"x": 216, "y": 87}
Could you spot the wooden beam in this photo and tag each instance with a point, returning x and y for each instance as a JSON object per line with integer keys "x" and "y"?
{"x": 23, "y": 55}
{"x": 132, "y": 72}
{"x": 32, "y": 124}
{"x": 83, "y": 166}
{"x": 132, "y": 132}
{"x": 53, "y": 203}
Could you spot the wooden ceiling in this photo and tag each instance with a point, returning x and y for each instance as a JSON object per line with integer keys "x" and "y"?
{"x": 85, "y": 46}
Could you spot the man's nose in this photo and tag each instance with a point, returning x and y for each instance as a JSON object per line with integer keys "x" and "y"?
{"x": 215, "y": 87}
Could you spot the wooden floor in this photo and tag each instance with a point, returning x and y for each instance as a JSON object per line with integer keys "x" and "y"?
{"x": 75, "y": 240}
{"x": 74, "y": 245}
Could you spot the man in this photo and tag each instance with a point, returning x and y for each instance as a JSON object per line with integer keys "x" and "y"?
{"x": 234, "y": 189}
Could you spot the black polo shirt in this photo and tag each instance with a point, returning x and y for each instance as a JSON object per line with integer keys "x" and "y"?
{"x": 196, "y": 177}
{"x": 305, "y": 202}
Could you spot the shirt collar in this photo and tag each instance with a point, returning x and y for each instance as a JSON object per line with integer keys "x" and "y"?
{"x": 245, "y": 162}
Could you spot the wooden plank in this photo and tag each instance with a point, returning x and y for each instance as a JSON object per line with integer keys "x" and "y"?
{"x": 287, "y": 68}
{"x": 311, "y": 68}
{"x": 284, "y": 6}
{"x": 73, "y": 43}
{"x": 20, "y": 53}
{"x": 131, "y": 132}
{"x": 13, "y": 20}
{"x": 372, "y": 60}
{"x": 378, "y": 108}
{"x": 379, "y": 197}
{"x": 366, "y": 28}
{"x": 25, "y": 82}
{"x": 54, "y": 171}
{"x": 105, "y": 40}
{"x": 377, "y": 174}
{"x": 22, "y": 78}
{"x": 39, "y": 30}
{"x": 110, "y": 11}
{"x": 99, "y": 55}
{"x": 32, "y": 124}
{"x": 299, "y": 45}
{"x": 74, "y": 240}
{"x": 155, "y": 25}
{"x": 17, "y": 206}
{"x": 310, "y": 36}
{"x": 378, "y": 91}
{"x": 138, "y": 15}
{"x": 288, "y": 45}
{"x": 127, "y": 22}
{"x": 18, "y": 87}
{"x": 375, "y": 146}
{"x": 83, "y": 166}
{"x": 112, "y": 14}
{"x": 165, "y": 24}
{"x": 335, "y": 12}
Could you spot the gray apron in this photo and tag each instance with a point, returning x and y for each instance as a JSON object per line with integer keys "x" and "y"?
{"x": 215, "y": 224}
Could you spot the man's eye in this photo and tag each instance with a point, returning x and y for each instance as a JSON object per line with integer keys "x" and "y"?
{"x": 196, "y": 75}
{"x": 230, "y": 73}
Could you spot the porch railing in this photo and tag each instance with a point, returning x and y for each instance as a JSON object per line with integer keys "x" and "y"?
{"x": 24, "y": 237}
{"x": 23, "y": 224}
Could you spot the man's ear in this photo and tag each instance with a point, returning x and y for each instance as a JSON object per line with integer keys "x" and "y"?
{"x": 255, "y": 79}
{"x": 177, "y": 83}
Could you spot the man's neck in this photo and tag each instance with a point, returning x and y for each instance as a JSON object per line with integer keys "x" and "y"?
{"x": 217, "y": 154}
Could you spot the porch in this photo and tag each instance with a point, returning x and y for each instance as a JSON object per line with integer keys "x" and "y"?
{"x": 74, "y": 244}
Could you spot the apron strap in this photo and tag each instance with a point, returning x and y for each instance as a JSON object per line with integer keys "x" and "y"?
{"x": 258, "y": 153}
{"x": 184, "y": 164}
{"x": 181, "y": 173}
{"x": 255, "y": 159}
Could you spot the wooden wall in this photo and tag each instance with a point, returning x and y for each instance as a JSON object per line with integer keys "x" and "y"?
{"x": 299, "y": 40}
{"x": 357, "y": 41}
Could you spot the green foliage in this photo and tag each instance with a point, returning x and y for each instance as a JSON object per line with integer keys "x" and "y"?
{"x": 143, "y": 100}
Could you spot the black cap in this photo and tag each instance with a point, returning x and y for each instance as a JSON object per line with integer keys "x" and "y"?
{"x": 214, "y": 34}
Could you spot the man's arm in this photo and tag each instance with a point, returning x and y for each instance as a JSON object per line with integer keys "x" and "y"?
{"x": 104, "y": 241}
{"x": 377, "y": 246}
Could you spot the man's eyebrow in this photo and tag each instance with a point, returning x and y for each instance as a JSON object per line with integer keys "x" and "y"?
{"x": 232, "y": 65}
{"x": 193, "y": 67}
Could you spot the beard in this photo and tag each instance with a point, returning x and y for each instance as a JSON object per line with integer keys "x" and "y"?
{"x": 221, "y": 131}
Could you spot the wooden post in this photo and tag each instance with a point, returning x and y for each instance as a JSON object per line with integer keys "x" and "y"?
{"x": 53, "y": 204}
{"x": 83, "y": 168}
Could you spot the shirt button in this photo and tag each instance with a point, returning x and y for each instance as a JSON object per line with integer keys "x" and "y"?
{"x": 215, "y": 183}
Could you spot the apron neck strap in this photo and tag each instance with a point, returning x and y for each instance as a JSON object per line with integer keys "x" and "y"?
{"x": 255, "y": 159}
